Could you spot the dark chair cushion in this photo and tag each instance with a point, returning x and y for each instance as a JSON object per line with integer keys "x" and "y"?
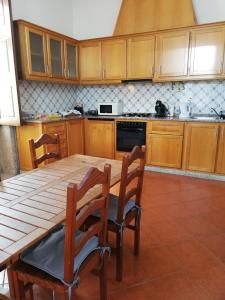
{"x": 48, "y": 255}
{"x": 113, "y": 208}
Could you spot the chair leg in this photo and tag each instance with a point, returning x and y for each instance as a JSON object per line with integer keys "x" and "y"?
{"x": 137, "y": 232}
{"x": 19, "y": 287}
{"x": 103, "y": 279}
{"x": 119, "y": 256}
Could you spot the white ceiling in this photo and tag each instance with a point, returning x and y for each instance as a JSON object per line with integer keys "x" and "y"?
{"x": 208, "y": 11}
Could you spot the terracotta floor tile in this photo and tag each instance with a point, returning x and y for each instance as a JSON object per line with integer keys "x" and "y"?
{"x": 192, "y": 253}
{"x": 215, "y": 243}
{"x": 182, "y": 245}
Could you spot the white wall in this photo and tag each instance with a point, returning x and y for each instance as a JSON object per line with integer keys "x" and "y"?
{"x": 84, "y": 19}
{"x": 95, "y": 18}
{"x": 52, "y": 14}
{"x": 208, "y": 11}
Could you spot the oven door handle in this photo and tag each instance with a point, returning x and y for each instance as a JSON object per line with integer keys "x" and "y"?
{"x": 132, "y": 129}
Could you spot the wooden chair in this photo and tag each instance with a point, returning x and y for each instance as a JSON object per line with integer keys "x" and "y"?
{"x": 122, "y": 210}
{"x": 45, "y": 139}
{"x": 83, "y": 250}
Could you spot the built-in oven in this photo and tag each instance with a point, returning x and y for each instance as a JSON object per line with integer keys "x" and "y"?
{"x": 130, "y": 134}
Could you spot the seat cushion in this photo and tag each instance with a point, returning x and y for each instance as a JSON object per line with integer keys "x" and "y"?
{"x": 48, "y": 255}
{"x": 113, "y": 208}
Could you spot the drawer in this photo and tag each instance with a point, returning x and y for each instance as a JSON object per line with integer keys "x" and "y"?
{"x": 55, "y": 128}
{"x": 166, "y": 127}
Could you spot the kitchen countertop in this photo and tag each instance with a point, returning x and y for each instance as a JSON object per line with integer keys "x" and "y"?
{"x": 195, "y": 119}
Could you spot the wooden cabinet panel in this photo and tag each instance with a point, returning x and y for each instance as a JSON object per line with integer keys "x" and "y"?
{"x": 166, "y": 127}
{"x": 36, "y": 52}
{"x": 90, "y": 61}
{"x": 55, "y": 56}
{"x": 140, "y": 57}
{"x": 207, "y": 50}
{"x": 114, "y": 59}
{"x": 172, "y": 52}
{"x": 220, "y": 163}
{"x": 75, "y": 136}
{"x": 71, "y": 60}
{"x": 164, "y": 150}
{"x": 60, "y": 129}
{"x": 200, "y": 146}
{"x": 99, "y": 138}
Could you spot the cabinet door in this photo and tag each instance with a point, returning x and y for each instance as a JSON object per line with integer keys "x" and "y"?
{"x": 201, "y": 146}
{"x": 75, "y": 137}
{"x": 172, "y": 55}
{"x": 99, "y": 138}
{"x": 90, "y": 61}
{"x": 220, "y": 164}
{"x": 71, "y": 61}
{"x": 140, "y": 57}
{"x": 207, "y": 49}
{"x": 164, "y": 150}
{"x": 114, "y": 59}
{"x": 60, "y": 129}
{"x": 55, "y": 56}
{"x": 36, "y": 52}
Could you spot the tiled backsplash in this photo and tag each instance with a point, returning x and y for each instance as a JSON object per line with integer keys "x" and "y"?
{"x": 141, "y": 96}
{"x": 40, "y": 97}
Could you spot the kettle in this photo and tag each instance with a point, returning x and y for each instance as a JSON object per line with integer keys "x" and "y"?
{"x": 161, "y": 109}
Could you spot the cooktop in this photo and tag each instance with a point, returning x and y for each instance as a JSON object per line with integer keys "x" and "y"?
{"x": 139, "y": 115}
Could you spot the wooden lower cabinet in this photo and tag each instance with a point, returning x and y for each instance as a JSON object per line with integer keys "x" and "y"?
{"x": 220, "y": 163}
{"x": 70, "y": 133}
{"x": 164, "y": 150}
{"x": 75, "y": 137}
{"x": 99, "y": 138}
{"x": 201, "y": 146}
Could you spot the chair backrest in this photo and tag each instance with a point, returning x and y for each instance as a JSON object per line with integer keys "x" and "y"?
{"x": 75, "y": 192}
{"x": 45, "y": 139}
{"x": 135, "y": 175}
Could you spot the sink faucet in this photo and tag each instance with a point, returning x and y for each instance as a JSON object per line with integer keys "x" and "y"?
{"x": 213, "y": 110}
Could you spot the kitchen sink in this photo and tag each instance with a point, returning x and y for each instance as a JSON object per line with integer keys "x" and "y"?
{"x": 205, "y": 118}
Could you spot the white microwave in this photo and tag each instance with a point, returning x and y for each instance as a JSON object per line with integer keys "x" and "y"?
{"x": 110, "y": 108}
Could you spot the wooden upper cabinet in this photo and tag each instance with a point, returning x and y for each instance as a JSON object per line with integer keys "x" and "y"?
{"x": 36, "y": 52}
{"x": 140, "y": 57}
{"x": 90, "y": 61}
{"x": 201, "y": 146}
{"x": 71, "y": 60}
{"x": 207, "y": 51}
{"x": 114, "y": 59}
{"x": 172, "y": 50}
{"x": 55, "y": 56}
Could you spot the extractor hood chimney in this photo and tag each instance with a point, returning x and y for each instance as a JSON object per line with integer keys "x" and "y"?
{"x": 138, "y": 16}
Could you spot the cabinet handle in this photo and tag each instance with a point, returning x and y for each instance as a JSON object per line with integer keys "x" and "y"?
{"x": 221, "y": 68}
{"x": 47, "y": 69}
{"x": 103, "y": 74}
{"x": 153, "y": 70}
{"x": 65, "y": 74}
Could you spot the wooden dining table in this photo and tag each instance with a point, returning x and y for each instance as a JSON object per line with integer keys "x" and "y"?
{"x": 34, "y": 203}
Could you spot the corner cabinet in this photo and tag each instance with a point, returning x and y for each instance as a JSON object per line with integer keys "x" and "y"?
{"x": 140, "y": 57}
{"x": 172, "y": 52}
{"x": 114, "y": 59}
{"x": 207, "y": 52}
{"x": 45, "y": 55}
{"x": 90, "y": 61}
{"x": 100, "y": 138}
{"x": 201, "y": 146}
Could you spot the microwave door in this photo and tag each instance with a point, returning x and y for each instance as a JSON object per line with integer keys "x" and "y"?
{"x": 106, "y": 109}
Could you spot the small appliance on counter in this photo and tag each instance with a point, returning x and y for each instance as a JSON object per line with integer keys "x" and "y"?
{"x": 161, "y": 109}
{"x": 185, "y": 110}
{"x": 92, "y": 112}
{"x": 110, "y": 108}
{"x": 80, "y": 108}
